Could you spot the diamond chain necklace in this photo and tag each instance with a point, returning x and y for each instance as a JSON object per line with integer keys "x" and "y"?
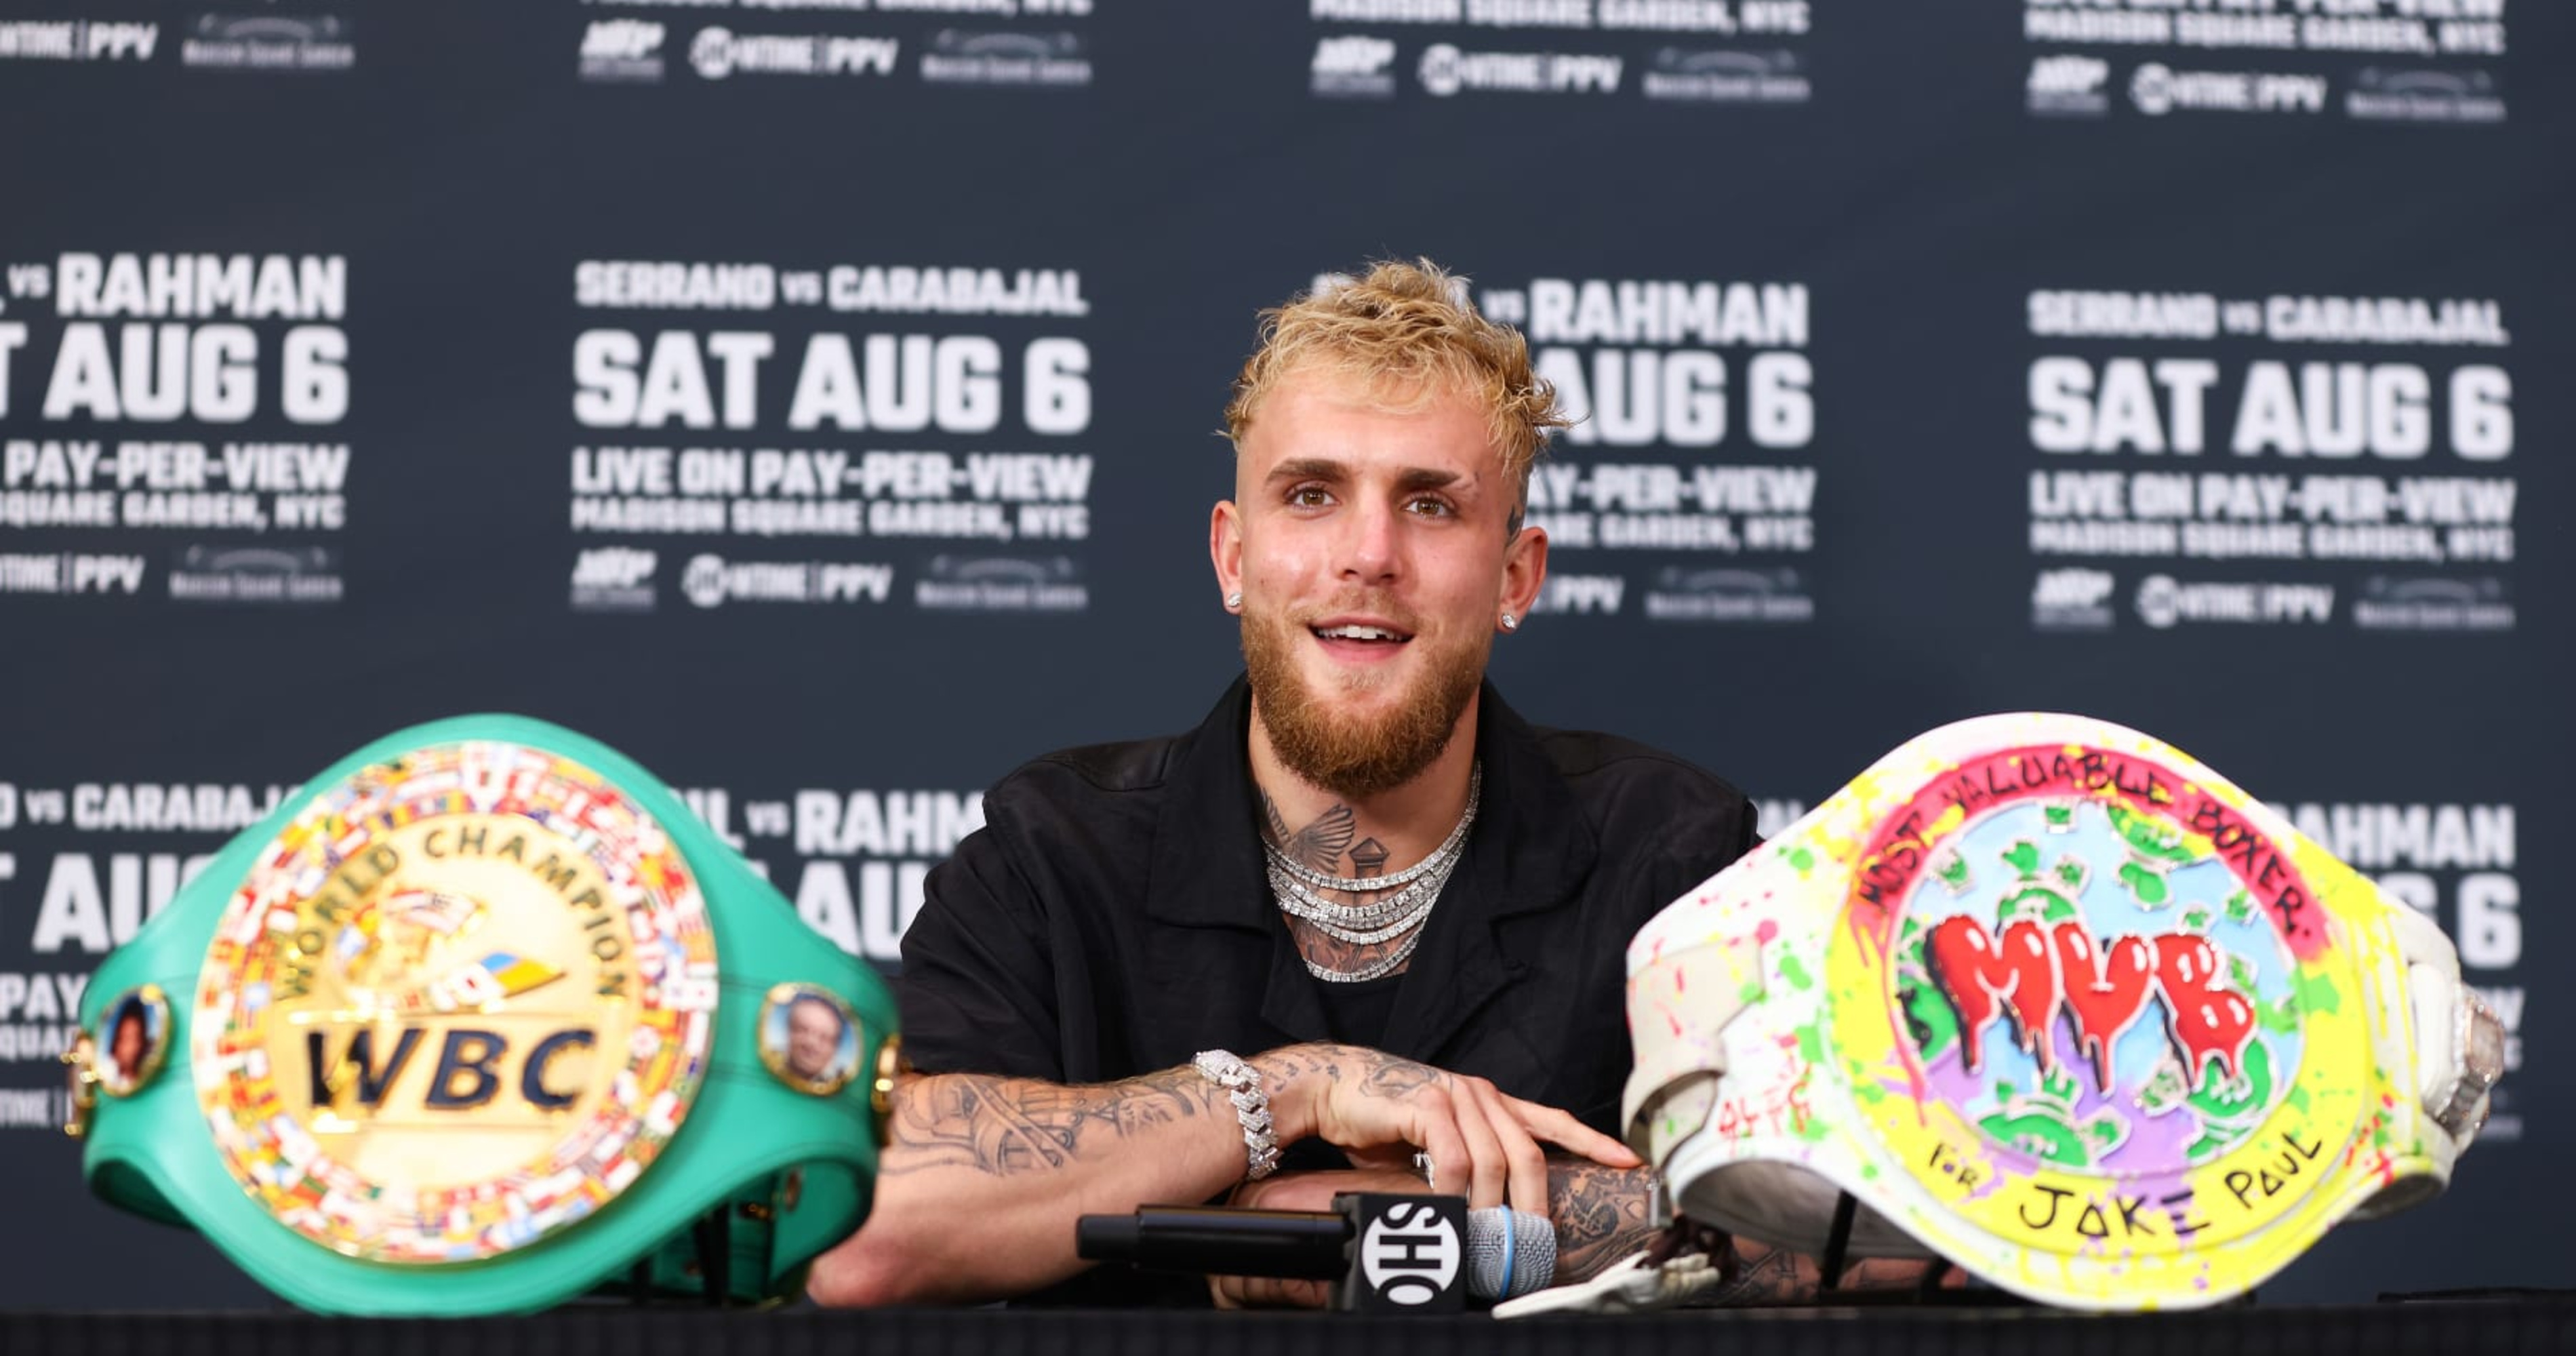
{"x": 1355, "y": 884}
{"x": 1416, "y": 889}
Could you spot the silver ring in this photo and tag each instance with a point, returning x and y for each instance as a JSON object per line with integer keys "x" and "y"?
{"x": 1430, "y": 1174}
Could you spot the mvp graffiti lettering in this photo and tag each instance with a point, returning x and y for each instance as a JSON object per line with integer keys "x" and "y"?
{"x": 2031, "y": 972}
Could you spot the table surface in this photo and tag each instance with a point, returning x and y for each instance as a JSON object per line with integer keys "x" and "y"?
{"x": 2520, "y": 1326}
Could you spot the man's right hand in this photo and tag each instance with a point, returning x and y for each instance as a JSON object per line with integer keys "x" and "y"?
{"x": 1379, "y": 1109}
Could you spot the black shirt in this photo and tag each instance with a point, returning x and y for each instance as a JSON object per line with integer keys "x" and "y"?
{"x": 1357, "y": 1011}
{"x": 1112, "y": 917}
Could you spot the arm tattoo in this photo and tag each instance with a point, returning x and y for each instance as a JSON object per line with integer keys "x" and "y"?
{"x": 1601, "y": 1214}
{"x": 1773, "y": 1278}
{"x": 1005, "y": 1126}
{"x": 1781, "y": 1276}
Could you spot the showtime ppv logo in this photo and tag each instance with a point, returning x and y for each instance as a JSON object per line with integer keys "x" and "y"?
{"x": 78, "y": 40}
{"x": 2158, "y": 90}
{"x": 2164, "y": 602}
{"x": 1445, "y": 71}
{"x": 717, "y": 53}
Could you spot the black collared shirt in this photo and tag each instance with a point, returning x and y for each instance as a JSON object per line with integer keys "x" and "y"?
{"x": 1113, "y": 917}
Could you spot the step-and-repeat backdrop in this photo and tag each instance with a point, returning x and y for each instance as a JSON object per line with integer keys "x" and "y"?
{"x": 814, "y": 399}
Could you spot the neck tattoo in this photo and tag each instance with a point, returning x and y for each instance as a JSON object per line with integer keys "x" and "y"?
{"x": 1399, "y": 912}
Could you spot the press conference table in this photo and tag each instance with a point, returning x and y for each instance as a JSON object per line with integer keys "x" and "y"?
{"x": 2452, "y": 1328}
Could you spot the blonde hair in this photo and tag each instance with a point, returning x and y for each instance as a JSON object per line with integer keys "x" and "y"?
{"x": 1408, "y": 331}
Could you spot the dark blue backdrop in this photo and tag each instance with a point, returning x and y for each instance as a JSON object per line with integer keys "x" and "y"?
{"x": 358, "y": 368}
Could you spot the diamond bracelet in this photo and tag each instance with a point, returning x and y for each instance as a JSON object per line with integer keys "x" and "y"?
{"x": 1242, "y": 1084}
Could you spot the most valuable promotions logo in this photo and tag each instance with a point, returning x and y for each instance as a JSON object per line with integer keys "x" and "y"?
{"x": 463, "y": 1001}
{"x": 2069, "y": 85}
{"x": 2109, "y": 1002}
{"x": 622, "y": 50}
{"x": 1352, "y": 66}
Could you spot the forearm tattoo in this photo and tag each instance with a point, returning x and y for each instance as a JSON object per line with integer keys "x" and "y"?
{"x": 1601, "y": 1214}
{"x": 1780, "y": 1276}
{"x": 1773, "y": 1278}
{"x": 1006, "y": 1126}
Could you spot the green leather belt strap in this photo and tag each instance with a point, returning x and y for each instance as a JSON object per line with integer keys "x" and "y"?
{"x": 480, "y": 1020}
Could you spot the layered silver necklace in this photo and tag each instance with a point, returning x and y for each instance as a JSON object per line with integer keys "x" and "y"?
{"x": 1401, "y": 911}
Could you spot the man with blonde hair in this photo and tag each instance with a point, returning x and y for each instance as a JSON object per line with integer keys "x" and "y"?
{"x": 1404, "y": 904}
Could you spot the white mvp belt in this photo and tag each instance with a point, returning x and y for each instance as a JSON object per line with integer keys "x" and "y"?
{"x": 2055, "y": 1002}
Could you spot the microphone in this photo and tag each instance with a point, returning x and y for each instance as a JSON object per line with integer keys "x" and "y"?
{"x": 1510, "y": 1253}
{"x": 1400, "y": 1249}
{"x": 1305, "y": 1245}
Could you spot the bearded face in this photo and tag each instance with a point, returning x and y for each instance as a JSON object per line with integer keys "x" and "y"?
{"x": 1373, "y": 546}
{"x": 1358, "y": 729}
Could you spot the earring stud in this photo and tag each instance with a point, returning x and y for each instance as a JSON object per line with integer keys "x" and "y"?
{"x": 1233, "y": 600}
{"x": 1510, "y": 622}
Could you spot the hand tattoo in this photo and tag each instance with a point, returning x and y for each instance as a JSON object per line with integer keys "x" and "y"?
{"x": 1397, "y": 1078}
{"x": 1371, "y": 1073}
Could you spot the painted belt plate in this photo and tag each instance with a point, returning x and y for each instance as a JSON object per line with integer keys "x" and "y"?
{"x": 462, "y": 1002}
{"x": 2059, "y": 1003}
{"x": 2110, "y": 1000}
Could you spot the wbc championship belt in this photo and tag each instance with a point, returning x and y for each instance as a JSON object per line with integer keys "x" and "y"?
{"x": 2055, "y": 1002}
{"x": 482, "y": 1019}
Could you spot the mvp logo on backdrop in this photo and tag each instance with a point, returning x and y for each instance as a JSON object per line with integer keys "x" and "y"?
{"x": 2056, "y": 1002}
{"x": 482, "y": 1020}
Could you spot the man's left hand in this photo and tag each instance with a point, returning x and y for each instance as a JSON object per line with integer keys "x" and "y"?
{"x": 1301, "y": 1191}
